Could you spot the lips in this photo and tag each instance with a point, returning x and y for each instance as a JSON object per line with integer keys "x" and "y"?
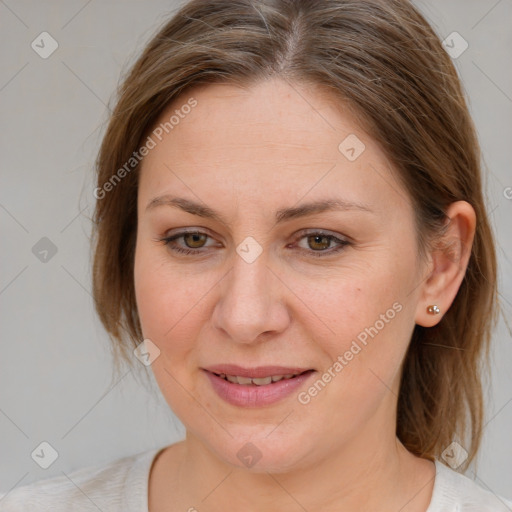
{"x": 256, "y": 387}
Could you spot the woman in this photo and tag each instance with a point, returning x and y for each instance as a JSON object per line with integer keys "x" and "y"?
{"x": 290, "y": 215}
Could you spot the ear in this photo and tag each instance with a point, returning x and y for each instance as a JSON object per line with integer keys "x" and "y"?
{"x": 448, "y": 260}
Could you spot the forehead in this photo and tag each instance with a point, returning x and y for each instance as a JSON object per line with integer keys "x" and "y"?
{"x": 275, "y": 113}
{"x": 271, "y": 138}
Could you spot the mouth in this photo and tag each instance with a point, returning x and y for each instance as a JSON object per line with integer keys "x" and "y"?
{"x": 256, "y": 387}
{"x": 257, "y": 381}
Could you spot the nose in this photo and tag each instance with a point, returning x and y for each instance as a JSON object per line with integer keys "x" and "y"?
{"x": 251, "y": 303}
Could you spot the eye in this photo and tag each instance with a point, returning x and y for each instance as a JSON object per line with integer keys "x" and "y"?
{"x": 320, "y": 242}
{"x": 194, "y": 240}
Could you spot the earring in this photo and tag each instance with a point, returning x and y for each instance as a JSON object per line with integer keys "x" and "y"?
{"x": 433, "y": 310}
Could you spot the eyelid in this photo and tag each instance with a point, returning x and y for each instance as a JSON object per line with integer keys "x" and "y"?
{"x": 172, "y": 236}
{"x": 297, "y": 235}
{"x": 324, "y": 232}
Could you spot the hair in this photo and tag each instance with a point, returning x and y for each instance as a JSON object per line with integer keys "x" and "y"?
{"x": 383, "y": 59}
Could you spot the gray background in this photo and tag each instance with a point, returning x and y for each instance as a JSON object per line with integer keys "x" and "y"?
{"x": 55, "y": 365}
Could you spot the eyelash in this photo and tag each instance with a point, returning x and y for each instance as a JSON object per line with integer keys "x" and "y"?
{"x": 318, "y": 254}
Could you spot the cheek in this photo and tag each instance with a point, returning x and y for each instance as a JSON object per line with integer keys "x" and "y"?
{"x": 150, "y": 293}
{"x": 363, "y": 329}
{"x": 155, "y": 295}
{"x": 364, "y": 321}
{"x": 348, "y": 306}
{"x": 169, "y": 306}
{"x": 170, "y": 300}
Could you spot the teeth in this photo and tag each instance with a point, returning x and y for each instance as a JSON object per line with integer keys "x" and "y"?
{"x": 263, "y": 381}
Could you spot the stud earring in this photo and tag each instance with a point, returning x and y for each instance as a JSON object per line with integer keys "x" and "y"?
{"x": 433, "y": 310}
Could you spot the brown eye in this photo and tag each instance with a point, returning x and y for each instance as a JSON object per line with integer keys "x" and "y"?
{"x": 194, "y": 240}
{"x": 319, "y": 242}
{"x": 187, "y": 242}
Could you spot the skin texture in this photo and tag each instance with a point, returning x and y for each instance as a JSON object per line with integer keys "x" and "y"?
{"x": 247, "y": 153}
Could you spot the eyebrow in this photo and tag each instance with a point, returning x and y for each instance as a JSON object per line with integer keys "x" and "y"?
{"x": 282, "y": 215}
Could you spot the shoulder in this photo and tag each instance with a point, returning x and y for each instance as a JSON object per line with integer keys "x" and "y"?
{"x": 115, "y": 486}
{"x": 454, "y": 492}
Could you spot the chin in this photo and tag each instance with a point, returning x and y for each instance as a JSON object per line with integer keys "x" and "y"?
{"x": 254, "y": 450}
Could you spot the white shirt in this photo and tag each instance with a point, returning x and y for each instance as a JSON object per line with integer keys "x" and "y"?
{"x": 122, "y": 486}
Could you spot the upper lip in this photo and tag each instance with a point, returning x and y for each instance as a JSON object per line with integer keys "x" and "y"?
{"x": 255, "y": 372}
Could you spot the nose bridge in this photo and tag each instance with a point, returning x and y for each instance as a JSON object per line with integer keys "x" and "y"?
{"x": 249, "y": 280}
{"x": 249, "y": 304}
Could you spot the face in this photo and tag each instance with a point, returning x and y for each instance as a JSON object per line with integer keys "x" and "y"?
{"x": 236, "y": 274}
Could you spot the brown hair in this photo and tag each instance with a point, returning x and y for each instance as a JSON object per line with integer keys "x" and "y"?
{"x": 382, "y": 58}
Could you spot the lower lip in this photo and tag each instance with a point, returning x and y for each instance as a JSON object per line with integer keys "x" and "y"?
{"x": 256, "y": 396}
